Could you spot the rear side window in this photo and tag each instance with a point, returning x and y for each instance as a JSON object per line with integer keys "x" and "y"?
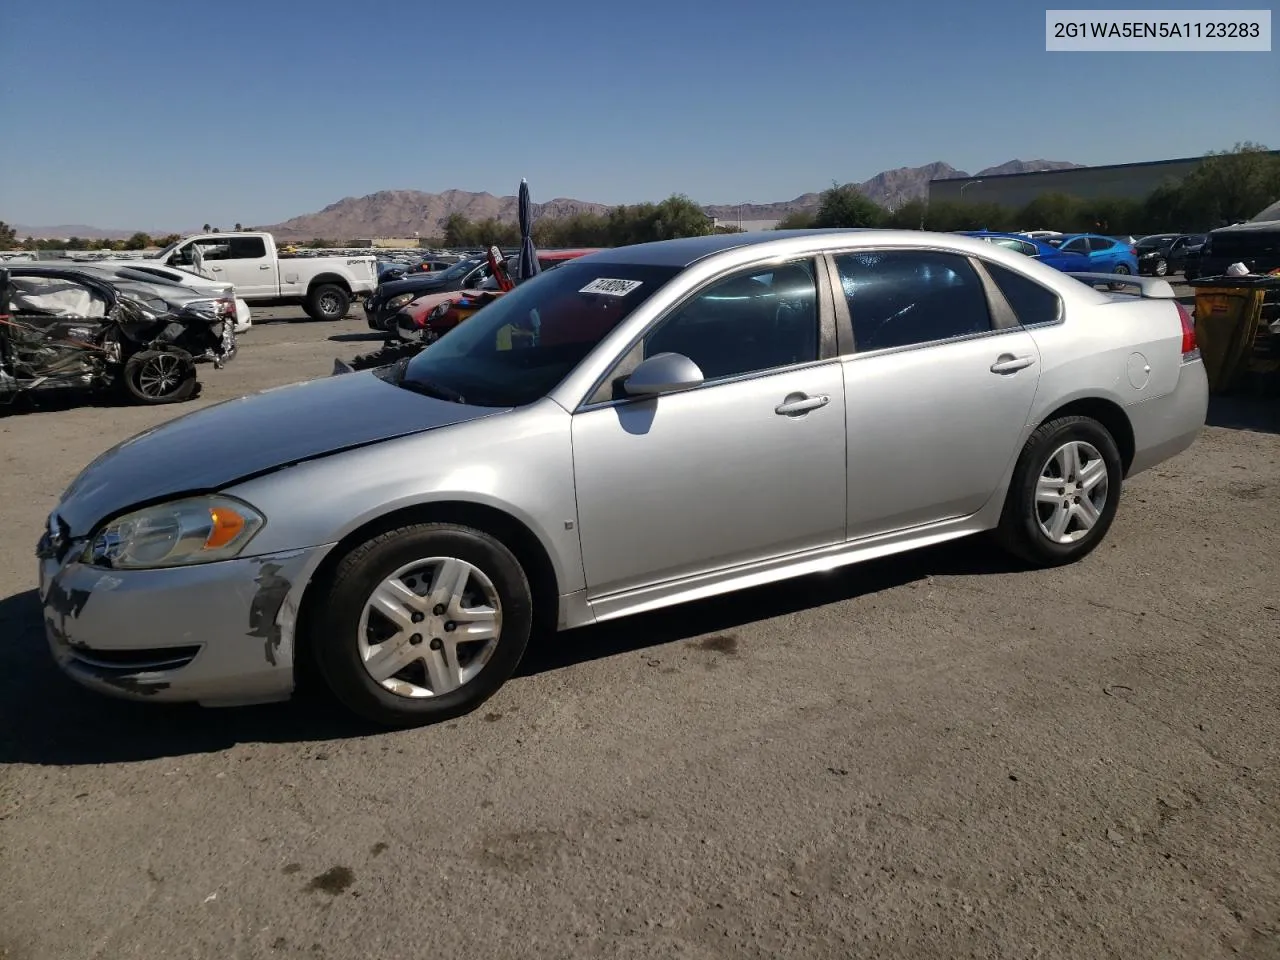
{"x": 1079, "y": 245}
{"x": 247, "y": 248}
{"x": 899, "y": 298}
{"x": 1101, "y": 243}
{"x": 1031, "y": 302}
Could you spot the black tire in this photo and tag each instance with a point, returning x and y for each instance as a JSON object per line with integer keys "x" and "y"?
{"x": 159, "y": 376}
{"x": 1020, "y": 529}
{"x": 333, "y": 634}
{"x": 328, "y": 301}
{"x": 1161, "y": 268}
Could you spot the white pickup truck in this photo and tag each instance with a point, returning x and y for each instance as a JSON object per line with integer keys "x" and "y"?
{"x": 325, "y": 286}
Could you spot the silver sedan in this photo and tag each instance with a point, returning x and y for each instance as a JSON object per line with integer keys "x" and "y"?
{"x": 641, "y": 427}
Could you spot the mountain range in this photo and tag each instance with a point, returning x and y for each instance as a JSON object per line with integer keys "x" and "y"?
{"x": 399, "y": 213}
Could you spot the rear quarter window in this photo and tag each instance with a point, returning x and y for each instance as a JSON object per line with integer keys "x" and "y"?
{"x": 1031, "y": 302}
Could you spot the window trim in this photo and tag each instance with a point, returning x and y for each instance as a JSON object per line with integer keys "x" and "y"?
{"x": 601, "y": 395}
{"x": 1003, "y": 319}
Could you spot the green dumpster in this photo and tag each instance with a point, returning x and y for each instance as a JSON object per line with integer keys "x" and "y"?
{"x": 1228, "y": 311}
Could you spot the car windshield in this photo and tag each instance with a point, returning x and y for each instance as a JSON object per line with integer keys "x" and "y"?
{"x": 165, "y": 252}
{"x": 516, "y": 349}
{"x": 461, "y": 268}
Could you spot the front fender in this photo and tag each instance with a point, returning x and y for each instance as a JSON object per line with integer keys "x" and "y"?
{"x": 520, "y": 463}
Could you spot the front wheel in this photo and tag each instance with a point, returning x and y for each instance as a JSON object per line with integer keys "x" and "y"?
{"x": 422, "y": 623}
{"x": 1064, "y": 493}
{"x": 160, "y": 376}
{"x": 1162, "y": 268}
{"x": 328, "y": 302}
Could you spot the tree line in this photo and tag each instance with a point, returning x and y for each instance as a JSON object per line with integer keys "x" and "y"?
{"x": 1228, "y": 186}
{"x": 1225, "y": 188}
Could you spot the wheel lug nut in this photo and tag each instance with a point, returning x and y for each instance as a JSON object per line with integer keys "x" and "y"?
{"x": 451, "y": 626}
{"x": 416, "y": 639}
{"x": 438, "y": 609}
{"x": 437, "y": 643}
{"x": 418, "y": 617}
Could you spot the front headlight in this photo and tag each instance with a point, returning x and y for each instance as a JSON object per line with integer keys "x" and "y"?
{"x": 198, "y": 530}
{"x": 395, "y": 303}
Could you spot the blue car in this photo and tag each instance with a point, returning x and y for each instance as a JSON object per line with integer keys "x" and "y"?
{"x": 1037, "y": 249}
{"x": 1106, "y": 254}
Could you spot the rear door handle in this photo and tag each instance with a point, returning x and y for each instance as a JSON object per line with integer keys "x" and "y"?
{"x": 798, "y": 403}
{"x": 1008, "y": 363}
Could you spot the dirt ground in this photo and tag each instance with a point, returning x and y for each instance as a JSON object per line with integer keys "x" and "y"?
{"x": 933, "y": 756}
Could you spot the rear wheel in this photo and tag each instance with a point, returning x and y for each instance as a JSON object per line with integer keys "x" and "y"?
{"x": 160, "y": 376}
{"x": 328, "y": 302}
{"x": 422, "y": 623}
{"x": 1064, "y": 493}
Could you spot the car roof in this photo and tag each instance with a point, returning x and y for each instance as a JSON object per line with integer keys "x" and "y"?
{"x": 689, "y": 250}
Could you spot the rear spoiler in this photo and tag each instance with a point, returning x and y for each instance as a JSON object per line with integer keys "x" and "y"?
{"x": 1149, "y": 288}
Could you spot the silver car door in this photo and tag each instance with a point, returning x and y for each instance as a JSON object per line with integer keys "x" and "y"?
{"x": 937, "y": 390}
{"x": 747, "y": 466}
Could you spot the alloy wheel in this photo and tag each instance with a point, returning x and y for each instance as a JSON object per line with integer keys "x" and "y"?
{"x": 160, "y": 375}
{"x": 430, "y": 627}
{"x": 1071, "y": 492}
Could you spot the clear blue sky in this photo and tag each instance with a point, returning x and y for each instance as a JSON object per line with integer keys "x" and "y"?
{"x": 142, "y": 114}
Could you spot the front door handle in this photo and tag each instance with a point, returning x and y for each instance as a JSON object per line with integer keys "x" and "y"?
{"x": 798, "y": 403}
{"x": 265, "y": 266}
{"x": 1008, "y": 363}
{"x": 216, "y": 269}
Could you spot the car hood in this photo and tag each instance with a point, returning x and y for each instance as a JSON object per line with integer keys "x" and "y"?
{"x": 219, "y": 445}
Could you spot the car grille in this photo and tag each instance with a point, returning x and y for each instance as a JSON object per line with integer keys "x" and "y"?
{"x": 133, "y": 661}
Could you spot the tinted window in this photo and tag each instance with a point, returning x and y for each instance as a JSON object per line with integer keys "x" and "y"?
{"x": 901, "y": 297}
{"x": 1031, "y": 302}
{"x": 1101, "y": 243}
{"x": 1079, "y": 245}
{"x": 517, "y": 348}
{"x": 746, "y": 323}
{"x": 1017, "y": 246}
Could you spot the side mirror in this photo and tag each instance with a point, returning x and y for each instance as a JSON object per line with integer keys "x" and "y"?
{"x": 663, "y": 373}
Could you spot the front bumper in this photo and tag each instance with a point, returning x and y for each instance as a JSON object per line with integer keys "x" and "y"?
{"x": 218, "y": 633}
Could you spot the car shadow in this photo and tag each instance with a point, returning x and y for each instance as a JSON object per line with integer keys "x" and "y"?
{"x": 59, "y": 400}
{"x": 50, "y": 721}
{"x": 370, "y": 337}
{"x": 1259, "y": 414}
{"x": 972, "y": 556}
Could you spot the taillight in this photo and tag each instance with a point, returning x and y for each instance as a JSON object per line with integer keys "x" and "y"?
{"x": 1134, "y": 251}
{"x": 1189, "y": 345}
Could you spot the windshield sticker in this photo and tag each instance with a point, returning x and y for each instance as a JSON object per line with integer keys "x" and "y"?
{"x": 611, "y": 288}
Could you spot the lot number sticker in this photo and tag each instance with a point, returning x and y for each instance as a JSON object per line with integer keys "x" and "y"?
{"x": 611, "y": 288}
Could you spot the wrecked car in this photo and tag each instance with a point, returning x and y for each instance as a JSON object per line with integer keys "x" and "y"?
{"x": 84, "y": 328}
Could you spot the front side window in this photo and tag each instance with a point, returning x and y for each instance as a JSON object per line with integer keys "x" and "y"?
{"x": 746, "y": 323}
{"x": 519, "y": 347}
{"x": 898, "y": 298}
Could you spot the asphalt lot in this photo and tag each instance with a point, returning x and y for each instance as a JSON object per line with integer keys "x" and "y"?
{"x": 936, "y": 755}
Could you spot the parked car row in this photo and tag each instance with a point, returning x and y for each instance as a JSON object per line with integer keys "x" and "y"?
{"x": 1070, "y": 253}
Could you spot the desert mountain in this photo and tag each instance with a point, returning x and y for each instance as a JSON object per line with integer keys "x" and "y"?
{"x": 401, "y": 213}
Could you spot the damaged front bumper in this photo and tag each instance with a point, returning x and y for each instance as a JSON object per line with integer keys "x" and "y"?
{"x": 219, "y": 633}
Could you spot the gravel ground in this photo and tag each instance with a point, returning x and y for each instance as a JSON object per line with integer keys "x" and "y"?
{"x": 930, "y": 756}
